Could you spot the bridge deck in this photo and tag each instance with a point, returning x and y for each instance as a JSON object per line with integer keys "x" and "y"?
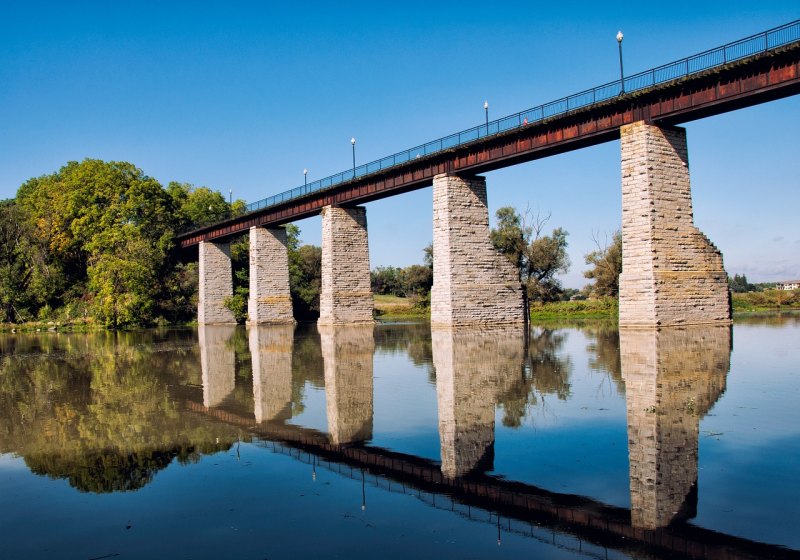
{"x": 772, "y": 73}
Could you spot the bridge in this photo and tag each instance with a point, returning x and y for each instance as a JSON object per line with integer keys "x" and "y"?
{"x": 672, "y": 274}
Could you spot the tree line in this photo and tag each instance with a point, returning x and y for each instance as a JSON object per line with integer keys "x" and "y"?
{"x": 94, "y": 242}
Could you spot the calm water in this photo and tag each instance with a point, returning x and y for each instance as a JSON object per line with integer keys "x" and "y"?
{"x": 396, "y": 442}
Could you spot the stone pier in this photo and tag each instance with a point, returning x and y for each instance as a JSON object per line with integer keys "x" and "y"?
{"x": 271, "y": 354}
{"x": 473, "y": 284}
{"x": 473, "y": 367}
{"x": 217, "y": 362}
{"x": 346, "y": 295}
{"x": 347, "y": 352}
{"x": 270, "y": 300}
{"x": 673, "y": 377}
{"x": 671, "y": 273}
{"x": 216, "y": 284}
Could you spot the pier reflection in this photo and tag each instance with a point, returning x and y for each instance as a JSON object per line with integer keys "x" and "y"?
{"x": 217, "y": 362}
{"x": 271, "y": 349}
{"x": 473, "y": 368}
{"x": 112, "y": 411}
{"x": 672, "y": 379}
{"x": 347, "y": 352}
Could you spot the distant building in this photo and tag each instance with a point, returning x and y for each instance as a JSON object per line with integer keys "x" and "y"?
{"x": 788, "y": 285}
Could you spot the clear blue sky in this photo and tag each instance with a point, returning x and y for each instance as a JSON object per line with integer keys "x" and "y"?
{"x": 244, "y": 95}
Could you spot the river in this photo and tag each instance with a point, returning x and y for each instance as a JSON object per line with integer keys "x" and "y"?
{"x": 395, "y": 441}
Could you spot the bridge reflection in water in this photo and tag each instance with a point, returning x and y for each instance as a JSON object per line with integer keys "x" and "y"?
{"x": 672, "y": 379}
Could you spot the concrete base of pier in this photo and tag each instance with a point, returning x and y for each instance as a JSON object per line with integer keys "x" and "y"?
{"x": 216, "y": 284}
{"x": 671, "y": 273}
{"x": 473, "y": 284}
{"x": 346, "y": 295}
{"x": 270, "y": 301}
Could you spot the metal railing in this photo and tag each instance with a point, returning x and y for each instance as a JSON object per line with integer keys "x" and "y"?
{"x": 755, "y": 44}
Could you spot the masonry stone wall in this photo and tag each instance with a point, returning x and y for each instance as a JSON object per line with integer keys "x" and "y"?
{"x": 346, "y": 295}
{"x": 673, "y": 376}
{"x": 271, "y": 354}
{"x": 473, "y": 367}
{"x": 671, "y": 273}
{"x": 473, "y": 284}
{"x": 270, "y": 300}
{"x": 217, "y": 362}
{"x": 216, "y": 284}
{"x": 347, "y": 354}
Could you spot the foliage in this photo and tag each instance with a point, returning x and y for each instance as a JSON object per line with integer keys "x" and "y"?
{"x": 415, "y": 280}
{"x": 768, "y": 300}
{"x": 95, "y": 239}
{"x": 305, "y": 275}
{"x": 606, "y": 264}
{"x": 538, "y": 257}
{"x": 606, "y": 307}
{"x": 739, "y": 284}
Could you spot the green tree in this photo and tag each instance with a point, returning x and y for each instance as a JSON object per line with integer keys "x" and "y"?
{"x": 305, "y": 274}
{"x": 606, "y": 264}
{"x": 538, "y": 257}
{"x": 739, "y": 284}
{"x": 107, "y": 226}
{"x": 197, "y": 206}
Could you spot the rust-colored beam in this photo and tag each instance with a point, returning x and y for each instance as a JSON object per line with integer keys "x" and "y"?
{"x": 750, "y": 81}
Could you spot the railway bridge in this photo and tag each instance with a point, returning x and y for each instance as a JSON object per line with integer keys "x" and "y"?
{"x": 672, "y": 273}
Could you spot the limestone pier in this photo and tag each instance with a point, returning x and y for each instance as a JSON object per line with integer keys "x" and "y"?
{"x": 270, "y": 300}
{"x": 671, "y": 273}
{"x": 346, "y": 295}
{"x": 473, "y": 367}
{"x": 473, "y": 284}
{"x": 673, "y": 377}
{"x": 216, "y": 284}
{"x": 347, "y": 352}
{"x": 271, "y": 349}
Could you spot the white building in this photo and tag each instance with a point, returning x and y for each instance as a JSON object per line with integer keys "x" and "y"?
{"x": 788, "y": 285}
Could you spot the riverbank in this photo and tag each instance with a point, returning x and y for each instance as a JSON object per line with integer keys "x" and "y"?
{"x": 751, "y": 304}
{"x": 768, "y": 302}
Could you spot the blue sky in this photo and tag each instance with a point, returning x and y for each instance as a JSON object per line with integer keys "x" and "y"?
{"x": 243, "y": 96}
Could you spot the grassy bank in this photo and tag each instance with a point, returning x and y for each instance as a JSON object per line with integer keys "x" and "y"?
{"x": 605, "y": 308}
{"x": 768, "y": 301}
{"x": 394, "y": 307}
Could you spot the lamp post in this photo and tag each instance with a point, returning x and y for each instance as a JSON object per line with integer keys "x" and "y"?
{"x": 305, "y": 178}
{"x": 353, "y": 142}
{"x": 230, "y": 196}
{"x": 486, "y": 110}
{"x": 621, "y": 75}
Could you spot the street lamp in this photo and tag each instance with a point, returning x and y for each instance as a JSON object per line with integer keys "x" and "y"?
{"x": 305, "y": 177}
{"x": 621, "y": 75}
{"x": 353, "y": 142}
{"x": 486, "y": 109}
{"x": 230, "y": 196}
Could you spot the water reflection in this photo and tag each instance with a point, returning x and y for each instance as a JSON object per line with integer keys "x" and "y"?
{"x": 473, "y": 368}
{"x": 109, "y": 411}
{"x": 672, "y": 379}
{"x": 271, "y": 349}
{"x": 218, "y": 362}
{"x": 95, "y": 409}
{"x": 347, "y": 353}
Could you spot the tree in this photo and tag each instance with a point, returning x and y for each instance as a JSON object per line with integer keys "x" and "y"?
{"x": 739, "y": 284}
{"x": 305, "y": 274}
{"x": 606, "y": 264}
{"x": 106, "y": 226}
{"x": 538, "y": 257}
